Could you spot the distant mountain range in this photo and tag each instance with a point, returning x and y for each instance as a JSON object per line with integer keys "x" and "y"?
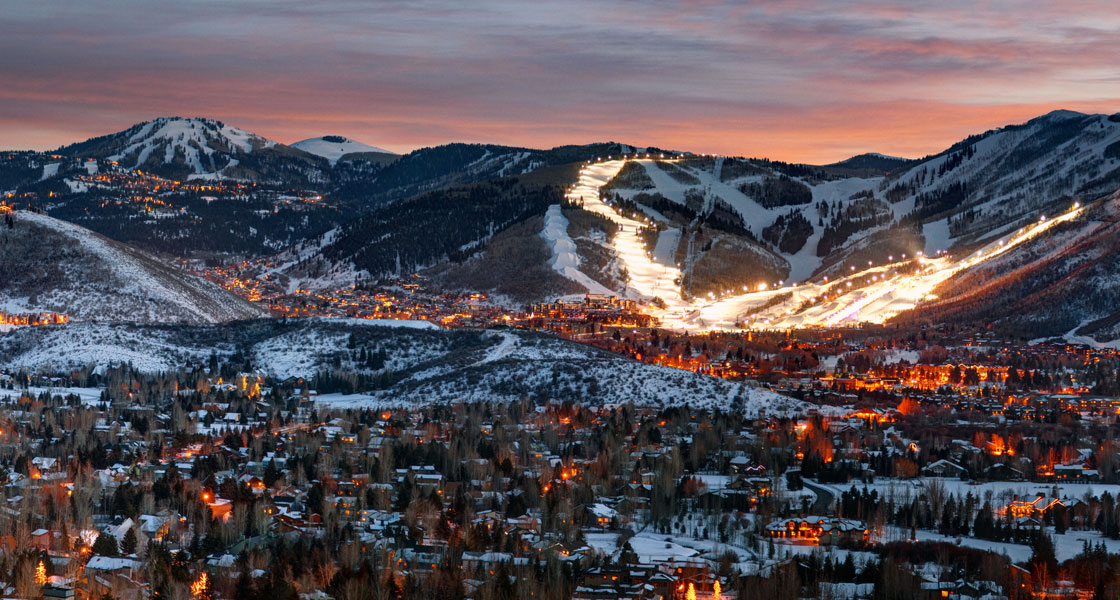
{"x": 331, "y": 211}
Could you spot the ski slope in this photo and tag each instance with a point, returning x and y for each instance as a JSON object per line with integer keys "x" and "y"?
{"x": 870, "y": 295}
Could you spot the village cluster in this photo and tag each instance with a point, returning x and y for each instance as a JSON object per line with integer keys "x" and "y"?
{"x": 211, "y": 482}
{"x": 145, "y": 194}
{"x": 413, "y": 298}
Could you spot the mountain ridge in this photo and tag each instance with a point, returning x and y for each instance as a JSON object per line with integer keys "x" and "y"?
{"x": 56, "y": 266}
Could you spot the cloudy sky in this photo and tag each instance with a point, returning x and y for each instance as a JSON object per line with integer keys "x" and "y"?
{"x": 789, "y": 79}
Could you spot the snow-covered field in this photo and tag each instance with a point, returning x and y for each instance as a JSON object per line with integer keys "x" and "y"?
{"x": 903, "y": 489}
{"x": 88, "y": 395}
{"x": 298, "y": 349}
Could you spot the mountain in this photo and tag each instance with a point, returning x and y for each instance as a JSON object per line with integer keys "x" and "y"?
{"x": 872, "y": 161}
{"x": 202, "y": 149}
{"x": 54, "y": 266}
{"x": 411, "y": 234}
{"x": 422, "y": 363}
{"x": 335, "y": 148}
{"x": 201, "y": 189}
{"x": 1063, "y": 284}
{"x": 440, "y": 204}
{"x": 496, "y": 219}
{"x": 805, "y": 223}
{"x": 457, "y": 164}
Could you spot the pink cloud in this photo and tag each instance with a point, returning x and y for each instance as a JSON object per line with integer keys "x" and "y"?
{"x": 793, "y": 80}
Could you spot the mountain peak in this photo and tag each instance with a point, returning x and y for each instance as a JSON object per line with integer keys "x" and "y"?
{"x": 178, "y": 147}
{"x": 1062, "y": 114}
{"x": 334, "y": 147}
{"x": 872, "y": 160}
{"x": 184, "y": 130}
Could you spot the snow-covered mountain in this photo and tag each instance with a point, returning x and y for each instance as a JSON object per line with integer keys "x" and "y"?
{"x": 815, "y": 222}
{"x": 1064, "y": 284}
{"x": 710, "y": 226}
{"x": 872, "y": 161}
{"x": 197, "y": 148}
{"x": 335, "y": 147}
{"x": 50, "y": 265}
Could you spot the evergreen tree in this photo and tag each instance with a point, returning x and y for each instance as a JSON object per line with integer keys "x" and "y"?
{"x": 129, "y": 542}
{"x": 105, "y": 545}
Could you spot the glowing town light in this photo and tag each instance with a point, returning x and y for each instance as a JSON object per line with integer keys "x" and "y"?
{"x": 200, "y": 586}
{"x": 41, "y": 573}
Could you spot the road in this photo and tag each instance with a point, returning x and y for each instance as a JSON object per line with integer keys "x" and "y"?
{"x": 825, "y": 498}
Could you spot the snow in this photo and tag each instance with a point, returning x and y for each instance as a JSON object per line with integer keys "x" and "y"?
{"x": 937, "y": 236}
{"x": 193, "y": 139}
{"x": 1072, "y": 337}
{"x": 333, "y": 151}
{"x": 139, "y": 284}
{"x": 88, "y": 396}
{"x": 50, "y": 170}
{"x": 890, "y": 294}
{"x": 297, "y": 350}
{"x": 649, "y": 278}
{"x": 564, "y": 260}
{"x": 664, "y": 251}
{"x": 91, "y": 167}
{"x": 502, "y": 350}
{"x": 76, "y": 187}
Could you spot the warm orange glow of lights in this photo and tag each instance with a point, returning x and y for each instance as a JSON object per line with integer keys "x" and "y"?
{"x": 201, "y": 585}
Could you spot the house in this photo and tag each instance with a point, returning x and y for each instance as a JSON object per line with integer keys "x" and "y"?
{"x": 602, "y": 514}
{"x": 1033, "y": 508}
{"x": 825, "y": 531}
{"x": 41, "y": 539}
{"x": 945, "y": 468}
{"x": 961, "y": 589}
{"x": 1003, "y": 472}
{"x": 1076, "y": 472}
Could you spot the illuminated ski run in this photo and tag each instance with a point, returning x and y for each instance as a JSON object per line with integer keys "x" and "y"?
{"x": 872, "y": 295}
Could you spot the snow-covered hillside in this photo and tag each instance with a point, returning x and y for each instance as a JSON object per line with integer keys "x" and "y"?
{"x": 334, "y": 147}
{"x": 1065, "y": 284}
{"x": 54, "y": 266}
{"x": 725, "y": 238}
{"x": 198, "y": 148}
{"x": 823, "y": 219}
{"x": 428, "y": 365}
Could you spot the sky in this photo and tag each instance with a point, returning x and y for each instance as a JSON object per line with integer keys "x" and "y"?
{"x": 791, "y": 80}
